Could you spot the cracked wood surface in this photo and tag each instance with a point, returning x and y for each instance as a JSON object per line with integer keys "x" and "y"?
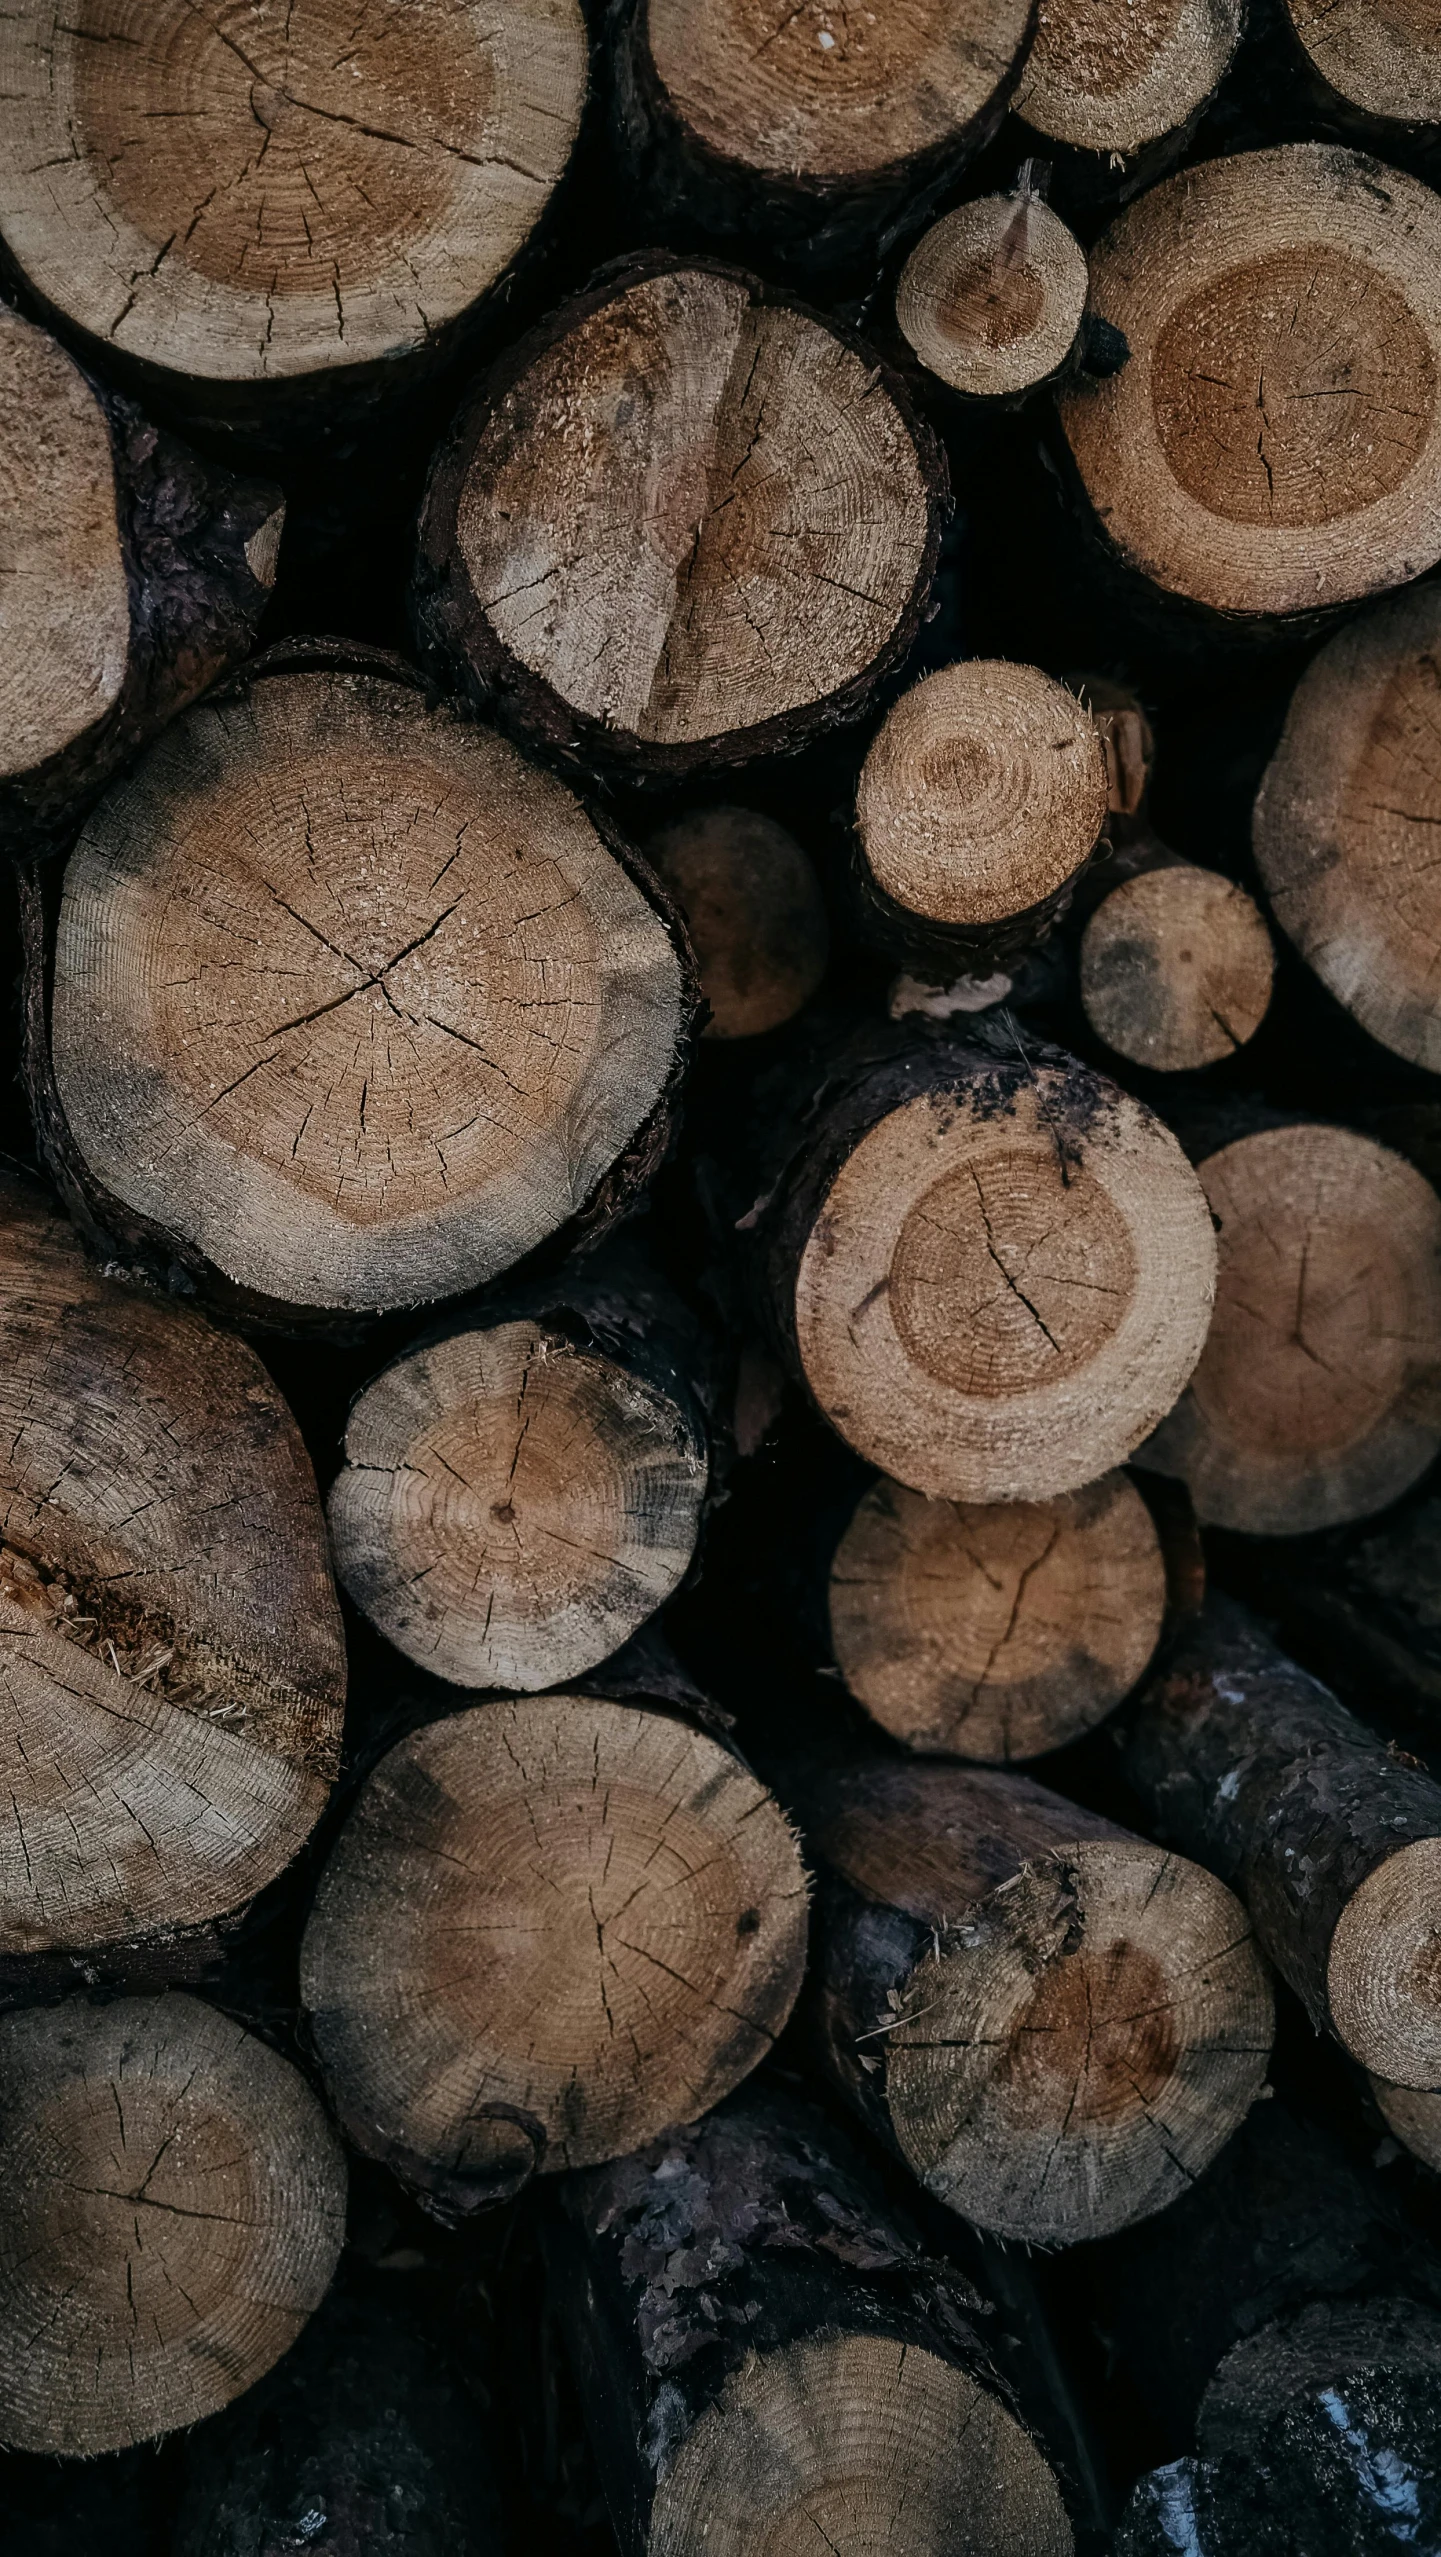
{"x": 1057, "y": 2024}
{"x": 355, "y": 1005}
{"x": 549, "y": 1927}
{"x": 1175, "y": 966}
{"x": 284, "y": 189}
{"x": 1317, "y": 1397}
{"x": 175, "y": 2206}
{"x": 172, "y": 1671}
{"x": 996, "y": 1630}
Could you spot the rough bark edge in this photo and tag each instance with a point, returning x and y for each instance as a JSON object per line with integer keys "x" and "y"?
{"x": 454, "y": 633}
{"x": 195, "y": 604}
{"x": 806, "y": 225}
{"x": 925, "y": 943}
{"x": 144, "y": 1252}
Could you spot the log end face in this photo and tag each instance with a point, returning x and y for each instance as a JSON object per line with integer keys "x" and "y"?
{"x": 991, "y": 297}
{"x": 1383, "y": 1971}
{"x": 755, "y": 913}
{"x": 1111, "y": 78}
{"x": 1176, "y": 968}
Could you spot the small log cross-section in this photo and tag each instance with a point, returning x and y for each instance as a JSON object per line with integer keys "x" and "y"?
{"x": 550, "y": 1927}
{"x": 769, "y": 2364}
{"x": 815, "y": 136}
{"x": 172, "y": 1669}
{"x": 1346, "y": 817}
{"x": 1317, "y": 1397}
{"x": 1332, "y": 1840}
{"x": 991, "y": 298}
{"x": 992, "y": 1268}
{"x": 980, "y": 802}
{"x": 134, "y": 574}
{"x": 518, "y": 1497}
{"x": 755, "y": 913}
{"x": 996, "y": 1630}
{"x": 682, "y": 523}
{"x": 174, "y": 2210}
{"x": 1108, "y": 78}
{"x": 1247, "y": 290}
{"x": 1175, "y": 967}
{"x": 354, "y": 1006}
{"x": 1056, "y": 2023}
{"x": 1381, "y": 56}
{"x": 331, "y": 188}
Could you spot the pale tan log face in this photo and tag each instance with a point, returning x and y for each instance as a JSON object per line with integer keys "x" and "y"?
{"x": 64, "y": 608}
{"x": 1176, "y": 968}
{"x": 246, "y": 194}
{"x": 571, "y": 1910}
{"x": 1273, "y": 442}
{"x": 512, "y": 1508}
{"x": 1383, "y": 1973}
{"x": 991, "y": 297}
{"x": 352, "y": 997}
{"x": 990, "y": 1312}
{"x": 859, "y": 2444}
{"x": 1345, "y": 818}
{"x": 830, "y": 93}
{"x": 1315, "y": 1399}
{"x": 1414, "y": 2114}
{"x": 1384, "y": 55}
{"x": 996, "y": 1630}
{"x": 1111, "y": 75}
{"x": 983, "y": 793}
{"x": 175, "y": 2207}
{"x": 172, "y": 1668}
{"x": 693, "y": 513}
{"x": 754, "y": 911}
{"x": 1077, "y": 2052}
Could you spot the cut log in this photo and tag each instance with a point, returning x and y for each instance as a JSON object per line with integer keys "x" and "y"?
{"x": 135, "y": 574}
{"x": 175, "y": 2206}
{"x": 1414, "y": 2114}
{"x": 991, "y": 1268}
{"x": 982, "y": 799}
{"x": 682, "y": 523}
{"x": 327, "y": 199}
{"x": 816, "y": 138}
{"x": 1331, "y": 1838}
{"x": 353, "y": 1006}
{"x": 172, "y": 1669}
{"x": 769, "y": 2362}
{"x": 519, "y": 1496}
{"x": 1272, "y": 448}
{"x": 1121, "y": 88}
{"x": 755, "y": 913}
{"x": 1345, "y": 817}
{"x": 1176, "y": 967}
{"x": 549, "y": 1928}
{"x": 362, "y": 2441}
{"x": 1381, "y": 56}
{"x": 991, "y": 299}
{"x": 1315, "y": 1399}
{"x": 996, "y": 1630}
{"x": 1054, "y": 2022}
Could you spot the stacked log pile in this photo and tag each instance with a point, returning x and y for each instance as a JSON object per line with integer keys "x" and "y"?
{"x": 720, "y": 1278}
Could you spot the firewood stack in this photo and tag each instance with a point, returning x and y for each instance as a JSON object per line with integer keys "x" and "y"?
{"x": 720, "y": 1278}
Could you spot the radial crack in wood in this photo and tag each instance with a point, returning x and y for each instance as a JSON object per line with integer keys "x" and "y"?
{"x": 175, "y": 2208}
{"x": 1176, "y": 968}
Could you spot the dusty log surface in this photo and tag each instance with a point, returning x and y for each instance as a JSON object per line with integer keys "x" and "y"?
{"x": 755, "y": 913}
{"x": 1176, "y": 964}
{"x": 741, "y": 122}
{"x": 1324, "y": 498}
{"x": 172, "y": 1670}
{"x": 331, "y": 199}
{"x": 1380, "y": 64}
{"x": 518, "y": 1496}
{"x": 989, "y": 1266}
{"x": 135, "y": 574}
{"x": 769, "y": 2361}
{"x": 175, "y": 2205}
{"x": 1344, "y": 821}
{"x": 1331, "y": 1838}
{"x": 1113, "y": 92}
{"x": 1056, "y": 2023}
{"x": 992, "y": 297}
{"x": 981, "y": 801}
{"x": 549, "y": 1927}
{"x": 351, "y": 1006}
{"x": 996, "y": 1630}
{"x": 682, "y": 523}
{"x": 362, "y": 2440}
{"x": 1315, "y": 1399}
